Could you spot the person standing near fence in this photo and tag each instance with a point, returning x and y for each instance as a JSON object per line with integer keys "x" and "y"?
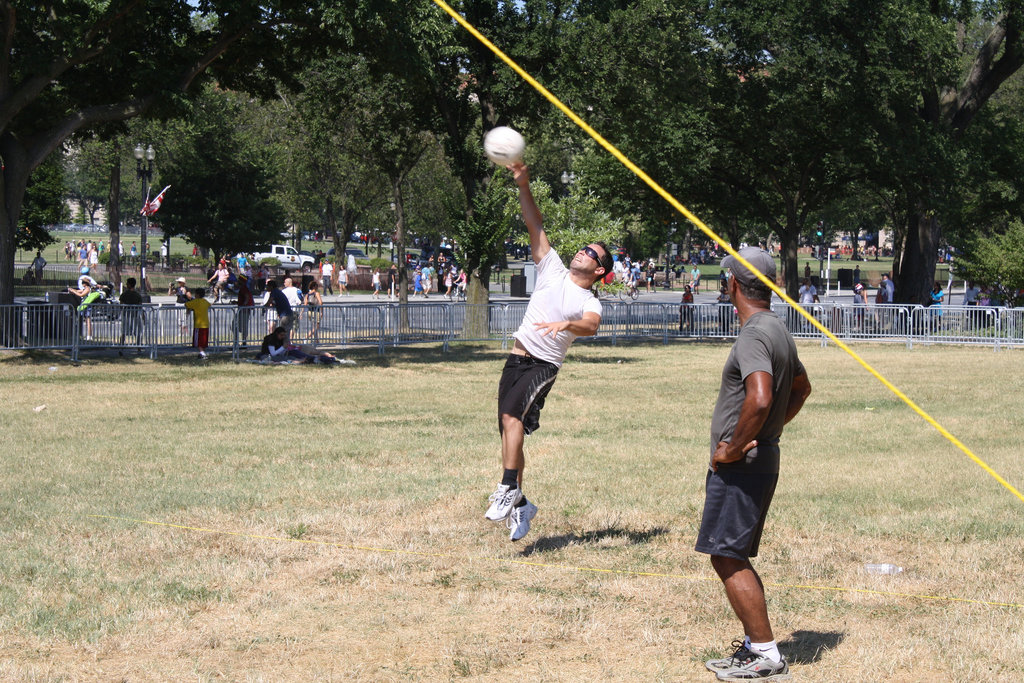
{"x": 245, "y": 303}
{"x": 38, "y": 263}
{"x": 686, "y": 311}
{"x": 199, "y": 307}
{"x": 561, "y": 308}
{"x": 281, "y": 308}
{"x": 314, "y": 309}
{"x": 131, "y": 318}
{"x": 763, "y": 387}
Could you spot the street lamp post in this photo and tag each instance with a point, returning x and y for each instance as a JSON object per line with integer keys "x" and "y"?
{"x": 392, "y": 205}
{"x": 145, "y": 174}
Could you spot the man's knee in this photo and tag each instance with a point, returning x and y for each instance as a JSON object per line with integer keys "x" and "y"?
{"x": 727, "y": 566}
{"x": 510, "y": 423}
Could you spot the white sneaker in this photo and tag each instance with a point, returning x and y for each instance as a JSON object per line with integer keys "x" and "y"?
{"x": 502, "y": 501}
{"x": 519, "y": 521}
{"x": 202, "y": 354}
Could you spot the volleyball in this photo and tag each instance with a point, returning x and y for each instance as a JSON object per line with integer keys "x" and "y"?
{"x": 504, "y": 146}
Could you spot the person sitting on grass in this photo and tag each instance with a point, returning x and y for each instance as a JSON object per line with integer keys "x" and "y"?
{"x": 275, "y": 347}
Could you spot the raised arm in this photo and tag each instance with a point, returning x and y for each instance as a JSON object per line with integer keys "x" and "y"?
{"x": 539, "y": 245}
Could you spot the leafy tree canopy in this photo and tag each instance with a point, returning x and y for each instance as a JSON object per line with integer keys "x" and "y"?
{"x": 220, "y": 196}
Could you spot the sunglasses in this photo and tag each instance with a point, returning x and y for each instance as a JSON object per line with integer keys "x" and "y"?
{"x": 592, "y": 254}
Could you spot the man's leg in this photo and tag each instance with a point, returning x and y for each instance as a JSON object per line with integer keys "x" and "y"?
{"x": 512, "y": 436}
{"x": 509, "y": 493}
{"x": 512, "y": 459}
{"x": 746, "y": 595}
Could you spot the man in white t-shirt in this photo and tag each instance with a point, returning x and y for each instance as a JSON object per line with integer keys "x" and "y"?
{"x": 294, "y": 296}
{"x": 327, "y": 276}
{"x": 562, "y": 307}
{"x": 808, "y": 292}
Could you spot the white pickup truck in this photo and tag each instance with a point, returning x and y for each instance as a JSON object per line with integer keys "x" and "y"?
{"x": 287, "y": 256}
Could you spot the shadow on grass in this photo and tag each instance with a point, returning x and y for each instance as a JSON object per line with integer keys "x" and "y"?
{"x": 806, "y": 647}
{"x": 549, "y": 543}
{"x": 430, "y": 353}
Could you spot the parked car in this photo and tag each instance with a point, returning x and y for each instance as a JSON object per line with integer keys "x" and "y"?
{"x": 287, "y": 256}
{"x": 358, "y": 253}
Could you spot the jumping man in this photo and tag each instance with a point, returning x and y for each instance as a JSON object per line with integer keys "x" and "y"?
{"x": 561, "y": 308}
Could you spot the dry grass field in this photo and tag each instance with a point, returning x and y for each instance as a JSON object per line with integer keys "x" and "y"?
{"x": 173, "y": 520}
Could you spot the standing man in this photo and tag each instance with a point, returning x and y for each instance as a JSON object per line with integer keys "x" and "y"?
{"x": 763, "y": 387}
{"x": 327, "y": 276}
{"x": 561, "y": 308}
{"x": 245, "y": 303}
{"x": 131, "y": 319}
{"x": 890, "y": 288}
{"x": 38, "y": 263}
{"x": 283, "y": 316}
{"x": 294, "y": 295}
{"x": 200, "y": 309}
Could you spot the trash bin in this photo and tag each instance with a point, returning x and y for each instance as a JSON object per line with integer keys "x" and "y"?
{"x": 48, "y": 324}
{"x": 517, "y": 285}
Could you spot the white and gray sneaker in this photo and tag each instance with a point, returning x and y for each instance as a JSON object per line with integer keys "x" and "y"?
{"x": 502, "y": 501}
{"x": 755, "y": 667}
{"x": 519, "y": 520}
{"x": 738, "y": 656}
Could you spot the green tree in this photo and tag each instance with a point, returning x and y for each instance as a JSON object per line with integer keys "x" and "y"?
{"x": 43, "y": 205}
{"x": 570, "y": 223}
{"x": 87, "y": 166}
{"x": 995, "y": 261}
{"x": 69, "y": 67}
{"x": 935, "y": 68}
{"x": 220, "y": 196}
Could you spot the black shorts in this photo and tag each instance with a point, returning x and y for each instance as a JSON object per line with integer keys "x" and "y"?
{"x": 525, "y": 382}
{"x": 735, "y": 507}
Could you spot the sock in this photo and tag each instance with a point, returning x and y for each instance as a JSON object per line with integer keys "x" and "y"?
{"x": 769, "y": 650}
{"x": 511, "y": 479}
{"x": 746, "y": 641}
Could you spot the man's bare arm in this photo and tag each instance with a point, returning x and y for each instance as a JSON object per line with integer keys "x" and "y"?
{"x": 799, "y": 392}
{"x": 539, "y": 245}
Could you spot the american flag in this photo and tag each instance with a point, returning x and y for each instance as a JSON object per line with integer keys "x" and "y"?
{"x": 151, "y": 207}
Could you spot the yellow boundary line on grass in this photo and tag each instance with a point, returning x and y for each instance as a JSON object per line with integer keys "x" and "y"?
{"x": 710, "y": 233}
{"x": 547, "y": 565}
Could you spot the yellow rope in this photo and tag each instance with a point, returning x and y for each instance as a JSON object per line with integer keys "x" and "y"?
{"x": 711, "y": 234}
{"x": 548, "y": 565}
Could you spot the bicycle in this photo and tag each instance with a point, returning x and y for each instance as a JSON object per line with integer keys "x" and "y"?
{"x": 629, "y": 291}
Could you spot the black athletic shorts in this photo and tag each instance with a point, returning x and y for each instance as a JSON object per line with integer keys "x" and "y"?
{"x": 525, "y": 382}
{"x": 735, "y": 507}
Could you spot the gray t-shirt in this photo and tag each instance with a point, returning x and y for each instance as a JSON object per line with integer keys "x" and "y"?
{"x": 763, "y": 345}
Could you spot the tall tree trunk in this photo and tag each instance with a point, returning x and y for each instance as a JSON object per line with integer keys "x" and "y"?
{"x": 399, "y": 241}
{"x": 114, "y": 217}
{"x": 13, "y": 181}
{"x": 914, "y": 273}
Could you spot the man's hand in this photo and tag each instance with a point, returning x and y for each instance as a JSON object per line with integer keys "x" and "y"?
{"x": 520, "y": 173}
{"x": 726, "y": 453}
{"x": 552, "y": 328}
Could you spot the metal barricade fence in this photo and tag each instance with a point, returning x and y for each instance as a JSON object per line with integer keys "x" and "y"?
{"x": 159, "y": 329}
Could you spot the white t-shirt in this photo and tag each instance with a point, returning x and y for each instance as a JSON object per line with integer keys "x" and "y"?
{"x": 294, "y": 296}
{"x": 555, "y": 298}
{"x": 807, "y": 294}
{"x": 328, "y": 269}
